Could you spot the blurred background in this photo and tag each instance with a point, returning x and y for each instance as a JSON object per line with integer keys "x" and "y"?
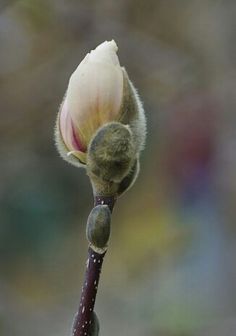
{"x": 171, "y": 265}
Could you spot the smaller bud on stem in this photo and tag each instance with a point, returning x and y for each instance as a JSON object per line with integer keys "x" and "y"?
{"x": 99, "y": 227}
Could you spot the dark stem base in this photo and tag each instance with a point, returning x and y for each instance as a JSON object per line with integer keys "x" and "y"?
{"x": 83, "y": 318}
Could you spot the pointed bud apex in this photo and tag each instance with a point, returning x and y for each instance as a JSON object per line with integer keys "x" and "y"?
{"x": 99, "y": 226}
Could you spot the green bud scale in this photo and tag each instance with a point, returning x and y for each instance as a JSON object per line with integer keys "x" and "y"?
{"x": 98, "y": 226}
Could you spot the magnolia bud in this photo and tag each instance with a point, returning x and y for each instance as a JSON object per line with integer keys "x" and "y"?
{"x": 99, "y": 226}
{"x": 99, "y": 92}
{"x": 101, "y": 123}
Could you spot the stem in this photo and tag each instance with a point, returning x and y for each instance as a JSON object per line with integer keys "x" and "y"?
{"x": 108, "y": 200}
{"x": 83, "y": 317}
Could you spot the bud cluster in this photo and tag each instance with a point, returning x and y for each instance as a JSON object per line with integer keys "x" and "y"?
{"x": 101, "y": 127}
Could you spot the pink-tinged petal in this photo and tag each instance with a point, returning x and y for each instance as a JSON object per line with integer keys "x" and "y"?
{"x": 69, "y": 135}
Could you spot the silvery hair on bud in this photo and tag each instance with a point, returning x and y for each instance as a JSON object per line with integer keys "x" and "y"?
{"x": 132, "y": 113}
{"x": 113, "y": 153}
{"x": 114, "y": 150}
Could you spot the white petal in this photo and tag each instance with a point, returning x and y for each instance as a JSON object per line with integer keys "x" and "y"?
{"x": 95, "y": 90}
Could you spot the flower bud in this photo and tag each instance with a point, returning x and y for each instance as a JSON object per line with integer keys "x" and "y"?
{"x": 99, "y": 92}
